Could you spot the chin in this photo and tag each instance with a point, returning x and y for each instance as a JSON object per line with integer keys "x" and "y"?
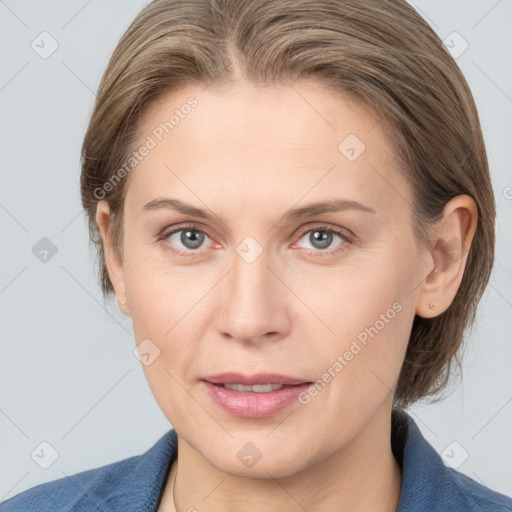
{"x": 249, "y": 462}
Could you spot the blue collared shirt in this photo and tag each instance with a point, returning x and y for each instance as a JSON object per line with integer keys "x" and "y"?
{"x": 135, "y": 484}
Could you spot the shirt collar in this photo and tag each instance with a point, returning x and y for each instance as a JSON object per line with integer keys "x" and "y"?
{"x": 423, "y": 470}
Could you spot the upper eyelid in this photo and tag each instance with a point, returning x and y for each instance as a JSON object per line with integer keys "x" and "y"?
{"x": 338, "y": 230}
{"x": 167, "y": 231}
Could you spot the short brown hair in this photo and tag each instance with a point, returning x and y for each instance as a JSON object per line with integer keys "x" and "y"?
{"x": 381, "y": 52}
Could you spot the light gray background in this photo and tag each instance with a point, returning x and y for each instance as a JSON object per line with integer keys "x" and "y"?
{"x": 68, "y": 373}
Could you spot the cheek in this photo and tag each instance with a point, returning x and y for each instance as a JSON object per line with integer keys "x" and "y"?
{"x": 358, "y": 367}
{"x": 166, "y": 307}
{"x": 159, "y": 293}
{"x": 367, "y": 316}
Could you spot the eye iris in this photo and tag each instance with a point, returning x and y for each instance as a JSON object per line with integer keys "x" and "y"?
{"x": 192, "y": 239}
{"x": 324, "y": 239}
{"x": 195, "y": 239}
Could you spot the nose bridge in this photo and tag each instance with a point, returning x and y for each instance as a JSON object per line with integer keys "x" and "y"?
{"x": 250, "y": 275}
{"x": 251, "y": 303}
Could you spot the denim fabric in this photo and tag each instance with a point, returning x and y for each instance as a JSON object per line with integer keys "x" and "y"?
{"x": 135, "y": 484}
{"x": 428, "y": 485}
{"x": 131, "y": 484}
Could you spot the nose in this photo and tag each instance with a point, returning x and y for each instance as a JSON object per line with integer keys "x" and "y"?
{"x": 253, "y": 302}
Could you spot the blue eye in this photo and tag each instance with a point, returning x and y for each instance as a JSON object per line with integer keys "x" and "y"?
{"x": 321, "y": 237}
{"x": 191, "y": 238}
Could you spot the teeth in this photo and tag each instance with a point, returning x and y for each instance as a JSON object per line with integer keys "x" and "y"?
{"x": 257, "y": 388}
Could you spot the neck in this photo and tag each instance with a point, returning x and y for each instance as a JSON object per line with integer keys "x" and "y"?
{"x": 362, "y": 476}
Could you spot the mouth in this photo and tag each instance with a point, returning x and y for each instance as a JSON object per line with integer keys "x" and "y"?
{"x": 256, "y": 388}
{"x": 257, "y": 383}
{"x": 254, "y": 396}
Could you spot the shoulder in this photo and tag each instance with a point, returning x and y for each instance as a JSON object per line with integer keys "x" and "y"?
{"x": 84, "y": 489}
{"x": 429, "y": 484}
{"x": 133, "y": 483}
{"x": 472, "y": 495}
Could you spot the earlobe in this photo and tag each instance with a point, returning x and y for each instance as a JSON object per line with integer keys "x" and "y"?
{"x": 112, "y": 259}
{"x": 453, "y": 237}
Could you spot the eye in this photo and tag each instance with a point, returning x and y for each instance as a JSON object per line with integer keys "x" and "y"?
{"x": 321, "y": 237}
{"x": 188, "y": 240}
{"x": 189, "y": 237}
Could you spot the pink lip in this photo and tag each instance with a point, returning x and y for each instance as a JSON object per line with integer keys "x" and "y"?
{"x": 250, "y": 404}
{"x": 249, "y": 380}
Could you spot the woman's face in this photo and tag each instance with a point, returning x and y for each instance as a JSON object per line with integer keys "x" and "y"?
{"x": 250, "y": 287}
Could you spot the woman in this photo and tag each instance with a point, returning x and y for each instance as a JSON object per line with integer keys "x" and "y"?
{"x": 292, "y": 202}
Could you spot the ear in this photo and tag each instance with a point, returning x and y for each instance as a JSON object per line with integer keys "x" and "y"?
{"x": 112, "y": 258}
{"x": 451, "y": 241}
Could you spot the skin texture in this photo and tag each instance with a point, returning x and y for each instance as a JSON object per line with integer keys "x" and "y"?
{"x": 249, "y": 155}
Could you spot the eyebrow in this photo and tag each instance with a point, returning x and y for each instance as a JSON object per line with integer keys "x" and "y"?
{"x": 309, "y": 210}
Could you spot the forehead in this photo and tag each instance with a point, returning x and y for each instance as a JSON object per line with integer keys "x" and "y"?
{"x": 266, "y": 144}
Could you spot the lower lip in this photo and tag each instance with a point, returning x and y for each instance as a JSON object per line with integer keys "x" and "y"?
{"x": 254, "y": 405}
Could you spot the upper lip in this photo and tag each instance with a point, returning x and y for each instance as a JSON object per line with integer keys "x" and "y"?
{"x": 250, "y": 380}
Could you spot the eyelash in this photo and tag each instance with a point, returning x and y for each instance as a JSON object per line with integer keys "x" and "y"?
{"x": 195, "y": 227}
